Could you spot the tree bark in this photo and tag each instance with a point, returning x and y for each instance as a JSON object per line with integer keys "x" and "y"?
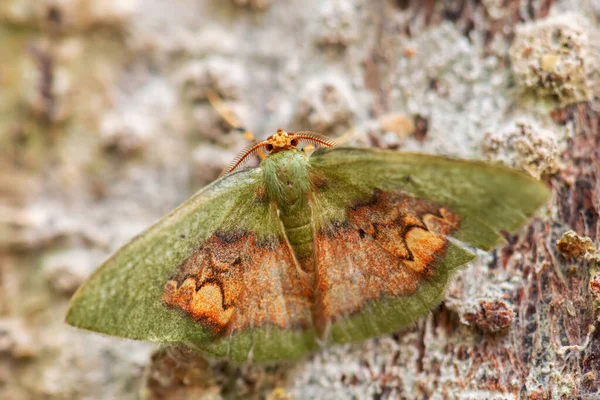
{"x": 105, "y": 125}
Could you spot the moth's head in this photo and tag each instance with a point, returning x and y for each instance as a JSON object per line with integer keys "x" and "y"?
{"x": 281, "y": 140}
{"x": 277, "y": 142}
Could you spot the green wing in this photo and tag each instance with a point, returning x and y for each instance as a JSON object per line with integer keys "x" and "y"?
{"x": 210, "y": 274}
{"x": 218, "y": 273}
{"x": 384, "y": 220}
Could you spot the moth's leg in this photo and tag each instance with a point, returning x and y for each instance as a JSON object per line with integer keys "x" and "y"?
{"x": 230, "y": 117}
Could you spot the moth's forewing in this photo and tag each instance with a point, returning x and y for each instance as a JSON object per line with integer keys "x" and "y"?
{"x": 383, "y": 221}
{"x": 490, "y": 198}
{"x": 215, "y": 274}
{"x": 124, "y": 296}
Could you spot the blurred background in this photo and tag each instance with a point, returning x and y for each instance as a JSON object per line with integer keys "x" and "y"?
{"x": 105, "y": 125}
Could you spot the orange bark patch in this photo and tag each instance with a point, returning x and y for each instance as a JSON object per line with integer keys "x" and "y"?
{"x": 236, "y": 282}
{"x": 387, "y": 246}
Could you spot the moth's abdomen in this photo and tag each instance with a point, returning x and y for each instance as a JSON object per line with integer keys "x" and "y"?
{"x": 297, "y": 222}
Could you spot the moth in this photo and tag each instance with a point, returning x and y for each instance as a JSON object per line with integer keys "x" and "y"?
{"x": 270, "y": 263}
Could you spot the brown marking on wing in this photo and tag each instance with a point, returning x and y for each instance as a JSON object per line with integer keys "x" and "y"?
{"x": 235, "y": 281}
{"x": 386, "y": 247}
{"x": 276, "y": 294}
{"x": 354, "y": 268}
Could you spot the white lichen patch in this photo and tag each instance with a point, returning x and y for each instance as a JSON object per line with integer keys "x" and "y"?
{"x": 137, "y": 117}
{"x": 557, "y": 57}
{"x": 472, "y": 300}
{"x": 460, "y": 91}
{"x": 387, "y": 366}
{"x": 16, "y": 339}
{"x": 32, "y": 227}
{"x": 209, "y": 40}
{"x": 210, "y": 91}
{"x": 66, "y": 270}
{"x": 224, "y": 77}
{"x": 326, "y": 105}
{"x": 350, "y": 371}
{"x": 210, "y": 160}
{"x": 113, "y": 365}
{"x": 527, "y": 146}
{"x": 338, "y": 24}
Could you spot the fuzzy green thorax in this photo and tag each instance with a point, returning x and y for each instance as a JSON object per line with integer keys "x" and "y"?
{"x": 288, "y": 186}
{"x": 286, "y": 177}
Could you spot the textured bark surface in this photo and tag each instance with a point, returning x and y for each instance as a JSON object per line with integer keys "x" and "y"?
{"x": 105, "y": 126}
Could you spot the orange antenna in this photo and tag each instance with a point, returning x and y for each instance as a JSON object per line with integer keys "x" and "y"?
{"x": 315, "y": 138}
{"x": 281, "y": 140}
{"x": 248, "y": 151}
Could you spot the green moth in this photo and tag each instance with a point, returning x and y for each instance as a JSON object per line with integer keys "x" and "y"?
{"x": 269, "y": 263}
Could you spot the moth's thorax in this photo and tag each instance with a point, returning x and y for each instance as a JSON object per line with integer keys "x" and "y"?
{"x": 287, "y": 182}
{"x": 286, "y": 177}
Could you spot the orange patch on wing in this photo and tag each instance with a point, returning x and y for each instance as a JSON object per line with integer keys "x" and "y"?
{"x": 387, "y": 246}
{"x": 427, "y": 240}
{"x": 205, "y": 303}
{"x": 237, "y": 282}
{"x": 424, "y": 245}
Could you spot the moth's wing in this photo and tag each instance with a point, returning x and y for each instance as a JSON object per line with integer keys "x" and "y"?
{"x": 216, "y": 274}
{"x": 384, "y": 222}
{"x": 490, "y": 198}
